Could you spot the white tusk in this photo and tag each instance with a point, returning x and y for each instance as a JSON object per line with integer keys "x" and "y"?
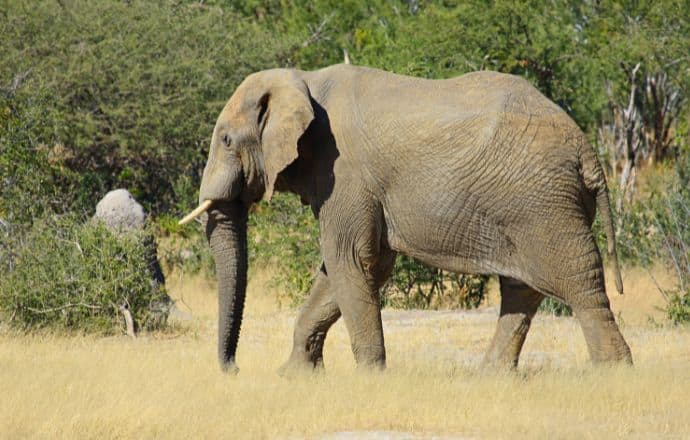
{"x": 196, "y": 213}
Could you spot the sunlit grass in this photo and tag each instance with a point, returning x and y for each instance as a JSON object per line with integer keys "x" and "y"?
{"x": 169, "y": 386}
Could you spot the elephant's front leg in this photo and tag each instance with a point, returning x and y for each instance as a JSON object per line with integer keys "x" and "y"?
{"x": 361, "y": 309}
{"x": 355, "y": 279}
{"x": 351, "y": 224}
{"x": 317, "y": 315}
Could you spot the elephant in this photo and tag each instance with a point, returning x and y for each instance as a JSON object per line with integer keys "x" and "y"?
{"x": 475, "y": 174}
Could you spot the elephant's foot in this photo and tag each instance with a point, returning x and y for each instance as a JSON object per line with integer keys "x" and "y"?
{"x": 307, "y": 354}
{"x": 504, "y": 352}
{"x": 498, "y": 365}
{"x": 604, "y": 340}
{"x": 519, "y": 303}
{"x": 300, "y": 366}
{"x": 370, "y": 357}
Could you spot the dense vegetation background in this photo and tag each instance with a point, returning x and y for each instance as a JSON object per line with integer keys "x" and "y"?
{"x": 100, "y": 95}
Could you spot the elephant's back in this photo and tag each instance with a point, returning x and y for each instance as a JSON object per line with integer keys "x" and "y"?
{"x": 481, "y": 91}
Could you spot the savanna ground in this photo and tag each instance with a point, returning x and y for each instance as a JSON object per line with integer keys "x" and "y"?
{"x": 168, "y": 385}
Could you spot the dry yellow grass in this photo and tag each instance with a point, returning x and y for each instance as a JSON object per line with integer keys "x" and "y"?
{"x": 166, "y": 386}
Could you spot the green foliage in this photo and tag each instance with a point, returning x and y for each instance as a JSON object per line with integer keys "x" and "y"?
{"x": 678, "y": 307}
{"x": 136, "y": 86}
{"x": 285, "y": 235}
{"x": 187, "y": 252}
{"x": 67, "y": 275}
{"x": 569, "y": 50}
{"x": 656, "y": 228}
{"x": 555, "y": 307}
{"x": 416, "y": 286}
{"x": 32, "y": 173}
{"x": 672, "y": 219}
{"x": 282, "y": 235}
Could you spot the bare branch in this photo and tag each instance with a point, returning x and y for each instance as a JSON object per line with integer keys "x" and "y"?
{"x": 318, "y": 31}
{"x": 129, "y": 319}
{"x": 66, "y": 306}
{"x": 16, "y": 82}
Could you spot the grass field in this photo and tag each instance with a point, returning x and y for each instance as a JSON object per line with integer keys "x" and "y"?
{"x": 168, "y": 385}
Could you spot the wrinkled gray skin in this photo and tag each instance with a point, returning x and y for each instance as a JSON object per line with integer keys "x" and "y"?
{"x": 121, "y": 213}
{"x": 475, "y": 174}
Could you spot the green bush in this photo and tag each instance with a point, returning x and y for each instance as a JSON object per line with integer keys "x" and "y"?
{"x": 135, "y": 86}
{"x": 33, "y": 178}
{"x": 284, "y": 235}
{"x": 678, "y": 307}
{"x": 68, "y": 275}
{"x": 414, "y": 285}
{"x": 570, "y": 50}
{"x": 183, "y": 248}
{"x": 555, "y": 307}
{"x": 673, "y": 222}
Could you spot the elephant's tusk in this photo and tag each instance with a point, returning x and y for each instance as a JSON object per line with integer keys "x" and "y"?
{"x": 196, "y": 213}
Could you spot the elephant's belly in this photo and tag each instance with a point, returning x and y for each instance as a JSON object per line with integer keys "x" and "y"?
{"x": 457, "y": 242}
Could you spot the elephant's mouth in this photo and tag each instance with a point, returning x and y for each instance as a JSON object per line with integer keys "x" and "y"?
{"x": 203, "y": 207}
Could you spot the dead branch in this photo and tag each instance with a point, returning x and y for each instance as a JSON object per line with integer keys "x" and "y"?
{"x": 664, "y": 105}
{"x": 318, "y": 31}
{"x": 16, "y": 82}
{"x": 628, "y": 124}
{"x": 66, "y": 306}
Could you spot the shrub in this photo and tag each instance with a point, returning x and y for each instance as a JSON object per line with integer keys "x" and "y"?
{"x": 555, "y": 307}
{"x": 97, "y": 95}
{"x": 67, "y": 275}
{"x": 33, "y": 179}
{"x": 414, "y": 285}
{"x": 655, "y": 228}
{"x": 135, "y": 86}
{"x": 285, "y": 235}
{"x": 672, "y": 219}
{"x": 183, "y": 248}
{"x": 282, "y": 235}
{"x": 678, "y": 307}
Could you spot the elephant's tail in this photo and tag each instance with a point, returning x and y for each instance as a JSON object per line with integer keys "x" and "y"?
{"x": 604, "y": 207}
{"x": 595, "y": 182}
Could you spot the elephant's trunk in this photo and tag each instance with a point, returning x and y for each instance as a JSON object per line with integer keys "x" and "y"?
{"x": 226, "y": 231}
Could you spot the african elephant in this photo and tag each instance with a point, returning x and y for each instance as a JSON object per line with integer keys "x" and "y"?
{"x": 475, "y": 174}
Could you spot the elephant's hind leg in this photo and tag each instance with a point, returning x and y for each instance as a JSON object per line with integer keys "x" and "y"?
{"x": 315, "y": 318}
{"x": 579, "y": 280}
{"x": 519, "y": 303}
{"x": 604, "y": 340}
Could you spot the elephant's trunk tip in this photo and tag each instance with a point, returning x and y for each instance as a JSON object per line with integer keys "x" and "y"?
{"x": 196, "y": 213}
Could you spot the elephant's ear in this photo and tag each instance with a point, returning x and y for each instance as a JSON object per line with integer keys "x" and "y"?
{"x": 285, "y": 116}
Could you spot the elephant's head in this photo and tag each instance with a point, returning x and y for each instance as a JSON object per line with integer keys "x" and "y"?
{"x": 255, "y": 138}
